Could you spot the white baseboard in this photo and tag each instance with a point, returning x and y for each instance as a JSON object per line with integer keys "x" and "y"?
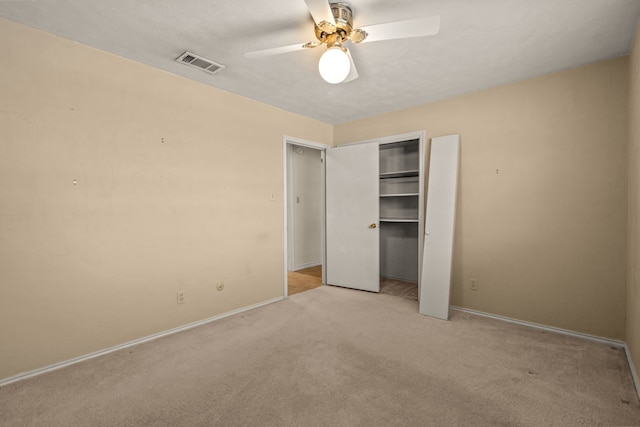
{"x": 60, "y": 365}
{"x": 633, "y": 370}
{"x": 606, "y": 341}
{"x": 99, "y": 353}
{"x": 307, "y": 265}
{"x": 402, "y": 279}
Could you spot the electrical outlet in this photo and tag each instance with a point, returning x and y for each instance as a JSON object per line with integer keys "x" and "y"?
{"x": 220, "y": 286}
{"x": 474, "y": 284}
{"x": 180, "y": 297}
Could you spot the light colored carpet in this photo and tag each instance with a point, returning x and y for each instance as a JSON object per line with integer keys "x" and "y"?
{"x": 338, "y": 357}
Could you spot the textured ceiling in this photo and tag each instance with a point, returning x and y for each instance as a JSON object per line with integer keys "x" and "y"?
{"x": 482, "y": 43}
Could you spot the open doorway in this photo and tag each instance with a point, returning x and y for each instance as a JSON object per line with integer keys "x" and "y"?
{"x": 305, "y": 252}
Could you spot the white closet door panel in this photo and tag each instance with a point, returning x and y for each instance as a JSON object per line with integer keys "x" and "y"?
{"x": 352, "y": 206}
{"x": 439, "y": 230}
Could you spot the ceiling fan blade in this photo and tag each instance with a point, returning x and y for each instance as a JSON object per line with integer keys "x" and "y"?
{"x": 276, "y": 50}
{"x": 320, "y": 11}
{"x": 353, "y": 73}
{"x": 420, "y": 27}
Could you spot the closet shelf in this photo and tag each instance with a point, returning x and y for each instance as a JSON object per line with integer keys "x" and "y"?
{"x": 399, "y": 174}
{"x": 398, "y": 219}
{"x": 400, "y": 195}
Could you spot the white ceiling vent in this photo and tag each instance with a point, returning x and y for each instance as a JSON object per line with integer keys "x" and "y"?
{"x": 199, "y": 62}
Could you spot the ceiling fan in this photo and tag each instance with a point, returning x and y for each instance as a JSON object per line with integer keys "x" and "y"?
{"x": 334, "y": 27}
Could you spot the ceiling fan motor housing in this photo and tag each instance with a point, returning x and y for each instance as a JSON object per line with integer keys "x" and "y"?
{"x": 343, "y": 15}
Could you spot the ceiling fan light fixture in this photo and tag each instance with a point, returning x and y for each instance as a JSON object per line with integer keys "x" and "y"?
{"x": 334, "y": 65}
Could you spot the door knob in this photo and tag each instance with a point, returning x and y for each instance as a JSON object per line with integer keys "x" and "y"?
{"x": 373, "y": 225}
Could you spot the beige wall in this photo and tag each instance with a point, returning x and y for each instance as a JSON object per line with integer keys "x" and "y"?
{"x": 633, "y": 266}
{"x": 545, "y": 234}
{"x": 172, "y": 190}
{"x": 173, "y": 184}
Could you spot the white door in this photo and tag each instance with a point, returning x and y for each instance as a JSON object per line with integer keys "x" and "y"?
{"x": 352, "y": 204}
{"x": 439, "y": 229}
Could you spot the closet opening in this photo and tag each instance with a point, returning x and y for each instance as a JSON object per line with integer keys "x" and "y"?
{"x": 400, "y": 197}
{"x": 375, "y": 215}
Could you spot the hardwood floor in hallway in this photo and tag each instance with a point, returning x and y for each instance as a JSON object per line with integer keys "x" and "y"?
{"x": 304, "y": 280}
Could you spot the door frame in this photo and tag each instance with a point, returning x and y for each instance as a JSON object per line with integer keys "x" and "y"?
{"x": 287, "y": 142}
